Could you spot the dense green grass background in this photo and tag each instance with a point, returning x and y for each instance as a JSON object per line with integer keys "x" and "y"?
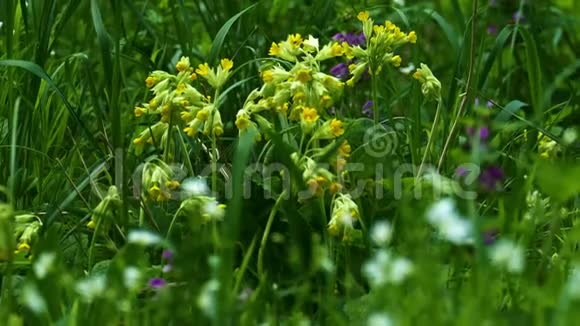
{"x": 71, "y": 73}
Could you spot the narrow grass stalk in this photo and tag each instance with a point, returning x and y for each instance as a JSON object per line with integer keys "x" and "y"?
{"x": 431, "y": 138}
{"x": 267, "y": 234}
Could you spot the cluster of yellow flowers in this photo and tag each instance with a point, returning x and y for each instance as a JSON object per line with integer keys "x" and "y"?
{"x": 344, "y": 214}
{"x": 381, "y": 42}
{"x": 180, "y": 104}
{"x": 104, "y": 210}
{"x": 157, "y": 180}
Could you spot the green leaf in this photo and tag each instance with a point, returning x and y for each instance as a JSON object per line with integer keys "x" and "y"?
{"x": 559, "y": 180}
{"x": 221, "y": 35}
{"x": 509, "y": 110}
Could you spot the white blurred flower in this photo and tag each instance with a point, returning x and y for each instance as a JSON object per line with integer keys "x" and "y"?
{"x": 131, "y": 277}
{"x": 91, "y": 287}
{"x": 401, "y": 268}
{"x": 380, "y": 319}
{"x": 382, "y": 233}
{"x": 43, "y": 264}
{"x": 384, "y": 268}
{"x": 443, "y": 215}
{"x": 32, "y": 299}
{"x": 505, "y": 254}
{"x": 207, "y": 298}
{"x": 311, "y": 43}
{"x": 408, "y": 69}
{"x": 193, "y": 187}
{"x": 399, "y": 3}
{"x": 573, "y": 284}
{"x": 569, "y": 136}
{"x": 213, "y": 210}
{"x": 143, "y": 238}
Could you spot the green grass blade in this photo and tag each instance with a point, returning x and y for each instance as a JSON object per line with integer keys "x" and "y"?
{"x": 221, "y": 35}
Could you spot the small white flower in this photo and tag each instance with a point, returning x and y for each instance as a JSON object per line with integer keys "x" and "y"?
{"x": 207, "y": 298}
{"x": 382, "y": 233}
{"x": 573, "y": 284}
{"x": 379, "y": 319}
{"x": 143, "y": 238}
{"x": 375, "y": 269}
{"x": 451, "y": 226}
{"x": 569, "y": 136}
{"x": 131, "y": 277}
{"x": 193, "y": 187}
{"x": 43, "y": 264}
{"x": 213, "y": 210}
{"x": 507, "y": 255}
{"x": 457, "y": 230}
{"x": 91, "y": 288}
{"x": 400, "y": 269}
{"x": 408, "y": 69}
{"x": 32, "y": 299}
{"x": 311, "y": 43}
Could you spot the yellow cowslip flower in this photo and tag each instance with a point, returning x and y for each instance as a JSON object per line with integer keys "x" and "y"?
{"x": 138, "y": 141}
{"x": 335, "y": 187}
{"x": 412, "y": 37}
{"x": 274, "y": 49}
{"x": 189, "y": 131}
{"x": 396, "y": 60}
{"x": 172, "y": 184}
{"x": 390, "y": 26}
{"x": 344, "y": 149}
{"x": 299, "y": 97}
{"x": 218, "y": 130}
{"x": 193, "y": 76}
{"x": 91, "y": 225}
{"x": 182, "y": 64}
{"x": 139, "y": 111}
{"x": 282, "y": 108}
{"x": 309, "y": 115}
{"x": 347, "y": 50}
{"x": 202, "y": 115}
{"x": 180, "y": 88}
{"x": 23, "y": 247}
{"x": 186, "y": 116}
{"x": 295, "y": 40}
{"x": 267, "y": 76}
{"x": 154, "y": 191}
{"x": 151, "y": 81}
{"x": 336, "y": 49}
{"x": 242, "y": 120}
{"x": 363, "y": 16}
{"x": 203, "y": 69}
{"x": 303, "y": 75}
{"x": 325, "y": 101}
{"x": 227, "y": 64}
{"x": 336, "y": 127}
{"x": 153, "y": 104}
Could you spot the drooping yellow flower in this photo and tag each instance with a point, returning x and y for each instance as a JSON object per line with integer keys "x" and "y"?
{"x": 309, "y": 115}
{"x": 193, "y": 76}
{"x": 186, "y": 116}
{"x": 227, "y": 64}
{"x": 363, "y": 16}
{"x": 274, "y": 49}
{"x": 336, "y": 49}
{"x": 182, "y": 64}
{"x": 172, "y": 184}
{"x": 139, "y": 111}
{"x": 180, "y": 88}
{"x": 335, "y": 187}
{"x": 189, "y": 131}
{"x": 138, "y": 141}
{"x": 303, "y": 75}
{"x": 202, "y": 114}
{"x": 336, "y": 127}
{"x": 24, "y": 247}
{"x": 344, "y": 149}
{"x": 203, "y": 69}
{"x": 150, "y": 81}
{"x": 268, "y": 76}
{"x": 412, "y": 37}
{"x": 92, "y": 225}
{"x": 396, "y": 60}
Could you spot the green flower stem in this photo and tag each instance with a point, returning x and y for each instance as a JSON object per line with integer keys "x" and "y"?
{"x": 432, "y": 137}
{"x": 375, "y": 97}
{"x": 93, "y": 243}
{"x": 267, "y": 234}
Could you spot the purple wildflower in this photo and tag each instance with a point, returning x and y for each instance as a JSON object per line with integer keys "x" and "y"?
{"x": 157, "y": 283}
{"x": 491, "y": 178}
{"x": 340, "y": 70}
{"x": 489, "y": 237}
{"x": 491, "y": 29}
{"x": 518, "y": 16}
{"x": 489, "y": 104}
{"x": 367, "y": 108}
{"x": 350, "y": 38}
{"x": 483, "y": 133}
{"x": 167, "y": 254}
